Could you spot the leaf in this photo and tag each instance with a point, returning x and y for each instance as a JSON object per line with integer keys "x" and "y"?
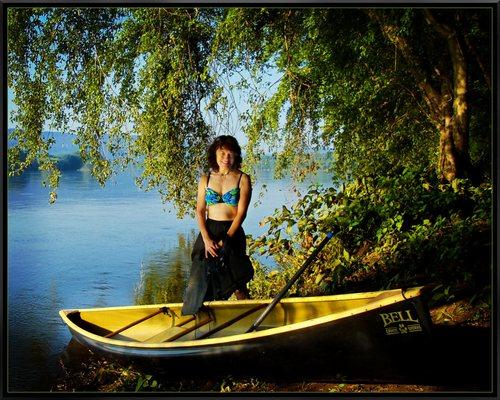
{"x": 139, "y": 384}
{"x": 319, "y": 278}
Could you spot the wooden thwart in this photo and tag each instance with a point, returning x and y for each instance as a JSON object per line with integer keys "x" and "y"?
{"x": 190, "y": 329}
{"x": 160, "y": 311}
{"x": 169, "y": 332}
{"x": 232, "y": 321}
{"x": 179, "y": 331}
{"x": 182, "y": 323}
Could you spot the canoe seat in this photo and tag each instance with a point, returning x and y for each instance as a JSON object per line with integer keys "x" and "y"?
{"x": 164, "y": 335}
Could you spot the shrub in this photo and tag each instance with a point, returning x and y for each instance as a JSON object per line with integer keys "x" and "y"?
{"x": 390, "y": 231}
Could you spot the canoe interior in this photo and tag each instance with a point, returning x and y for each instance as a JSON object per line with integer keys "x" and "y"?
{"x": 163, "y": 326}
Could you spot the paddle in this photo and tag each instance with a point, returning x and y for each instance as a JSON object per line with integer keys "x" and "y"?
{"x": 283, "y": 291}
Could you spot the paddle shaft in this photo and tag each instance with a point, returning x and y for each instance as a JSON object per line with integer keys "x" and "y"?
{"x": 161, "y": 310}
{"x": 283, "y": 291}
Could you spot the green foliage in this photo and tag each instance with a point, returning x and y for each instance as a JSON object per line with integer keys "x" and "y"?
{"x": 343, "y": 85}
{"x": 136, "y": 85}
{"x": 64, "y": 162}
{"x": 147, "y": 383}
{"x": 56, "y": 73}
{"x": 129, "y": 83}
{"x": 390, "y": 231}
{"x": 140, "y": 85}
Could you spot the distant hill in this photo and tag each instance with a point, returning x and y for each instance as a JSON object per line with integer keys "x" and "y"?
{"x": 64, "y": 150}
{"x": 63, "y": 143}
{"x": 68, "y": 156}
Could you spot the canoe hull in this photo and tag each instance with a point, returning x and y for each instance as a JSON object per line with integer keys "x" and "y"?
{"x": 376, "y": 334}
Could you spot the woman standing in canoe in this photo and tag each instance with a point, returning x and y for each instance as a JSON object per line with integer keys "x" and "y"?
{"x": 220, "y": 265}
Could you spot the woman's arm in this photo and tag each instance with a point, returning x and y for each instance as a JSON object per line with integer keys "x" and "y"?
{"x": 201, "y": 209}
{"x": 241, "y": 213}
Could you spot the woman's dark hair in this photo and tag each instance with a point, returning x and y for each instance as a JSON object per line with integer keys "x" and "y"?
{"x": 228, "y": 142}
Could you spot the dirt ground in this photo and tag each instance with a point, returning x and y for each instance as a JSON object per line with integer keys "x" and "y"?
{"x": 347, "y": 388}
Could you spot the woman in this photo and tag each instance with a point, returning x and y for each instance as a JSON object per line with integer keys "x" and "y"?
{"x": 219, "y": 262}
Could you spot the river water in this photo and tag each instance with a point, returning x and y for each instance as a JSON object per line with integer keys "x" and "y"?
{"x": 96, "y": 247}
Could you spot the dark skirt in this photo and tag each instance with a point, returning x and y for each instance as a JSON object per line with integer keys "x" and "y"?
{"x": 216, "y": 278}
{"x": 217, "y": 231}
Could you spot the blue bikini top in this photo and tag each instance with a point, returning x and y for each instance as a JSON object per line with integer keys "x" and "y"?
{"x": 229, "y": 198}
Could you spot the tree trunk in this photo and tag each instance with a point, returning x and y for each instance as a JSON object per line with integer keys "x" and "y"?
{"x": 460, "y": 106}
{"x": 447, "y": 162}
{"x": 454, "y": 158}
{"x": 448, "y": 106}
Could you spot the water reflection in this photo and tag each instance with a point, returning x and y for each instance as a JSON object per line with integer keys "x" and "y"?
{"x": 164, "y": 273}
{"x": 34, "y": 356}
{"x": 19, "y": 182}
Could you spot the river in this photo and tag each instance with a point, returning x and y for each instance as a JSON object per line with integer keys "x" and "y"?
{"x": 96, "y": 247}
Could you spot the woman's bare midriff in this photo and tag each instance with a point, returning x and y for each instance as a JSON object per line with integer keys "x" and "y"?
{"x": 222, "y": 212}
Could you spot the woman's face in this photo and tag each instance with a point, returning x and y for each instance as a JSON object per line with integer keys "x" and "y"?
{"x": 225, "y": 158}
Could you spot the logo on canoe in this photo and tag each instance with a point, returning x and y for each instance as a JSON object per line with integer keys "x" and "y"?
{"x": 400, "y": 322}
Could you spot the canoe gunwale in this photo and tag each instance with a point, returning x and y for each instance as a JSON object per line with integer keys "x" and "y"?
{"x": 390, "y": 297}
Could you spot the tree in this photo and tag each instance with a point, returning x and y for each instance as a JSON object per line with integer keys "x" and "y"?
{"x": 444, "y": 89}
{"x": 384, "y": 89}
{"x": 128, "y": 83}
{"x": 392, "y": 88}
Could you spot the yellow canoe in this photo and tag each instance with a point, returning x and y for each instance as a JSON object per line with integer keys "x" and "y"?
{"x": 370, "y": 320}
